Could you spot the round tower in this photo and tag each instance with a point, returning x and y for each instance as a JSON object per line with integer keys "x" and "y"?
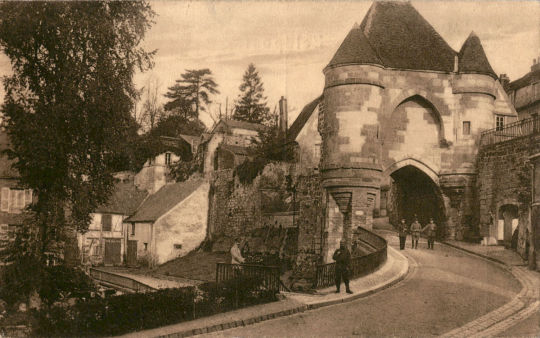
{"x": 349, "y": 128}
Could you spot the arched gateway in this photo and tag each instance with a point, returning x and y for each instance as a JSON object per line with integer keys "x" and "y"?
{"x": 399, "y": 122}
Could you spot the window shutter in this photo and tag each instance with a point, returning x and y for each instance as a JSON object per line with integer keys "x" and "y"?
{"x": 5, "y": 200}
{"x": 27, "y": 197}
{"x": 20, "y": 199}
{"x": 106, "y": 221}
{"x": 12, "y": 200}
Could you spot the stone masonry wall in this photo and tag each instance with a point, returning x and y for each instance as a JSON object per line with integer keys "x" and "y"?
{"x": 504, "y": 178}
{"x": 236, "y": 210}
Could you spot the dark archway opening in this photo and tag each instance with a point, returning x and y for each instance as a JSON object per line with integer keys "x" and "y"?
{"x": 415, "y": 194}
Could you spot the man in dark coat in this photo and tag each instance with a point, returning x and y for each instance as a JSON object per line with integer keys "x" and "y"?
{"x": 402, "y": 233}
{"x": 431, "y": 230}
{"x": 342, "y": 256}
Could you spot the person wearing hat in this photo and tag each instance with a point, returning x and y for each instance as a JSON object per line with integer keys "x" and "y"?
{"x": 342, "y": 256}
{"x": 416, "y": 229}
{"x": 402, "y": 233}
{"x": 236, "y": 254}
{"x": 431, "y": 229}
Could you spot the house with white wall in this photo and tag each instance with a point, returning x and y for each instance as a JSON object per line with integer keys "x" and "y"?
{"x": 155, "y": 171}
{"x": 104, "y": 243}
{"x": 227, "y": 144}
{"x": 168, "y": 224}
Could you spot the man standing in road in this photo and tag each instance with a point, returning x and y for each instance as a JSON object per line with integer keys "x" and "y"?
{"x": 431, "y": 229}
{"x": 342, "y": 256}
{"x": 416, "y": 228}
{"x": 402, "y": 233}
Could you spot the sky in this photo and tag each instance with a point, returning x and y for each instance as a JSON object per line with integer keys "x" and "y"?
{"x": 290, "y": 42}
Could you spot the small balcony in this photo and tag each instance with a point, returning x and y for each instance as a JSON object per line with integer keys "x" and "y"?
{"x": 510, "y": 131}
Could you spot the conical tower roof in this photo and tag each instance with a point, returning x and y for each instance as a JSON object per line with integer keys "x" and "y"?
{"x": 355, "y": 49}
{"x": 473, "y": 59}
{"x": 403, "y": 39}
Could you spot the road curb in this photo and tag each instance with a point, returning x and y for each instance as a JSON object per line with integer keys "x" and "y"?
{"x": 489, "y": 324}
{"x": 495, "y": 260}
{"x": 291, "y": 311}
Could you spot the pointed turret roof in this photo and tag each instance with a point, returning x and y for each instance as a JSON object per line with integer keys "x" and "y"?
{"x": 402, "y": 38}
{"x": 394, "y": 34}
{"x": 355, "y": 49}
{"x": 473, "y": 59}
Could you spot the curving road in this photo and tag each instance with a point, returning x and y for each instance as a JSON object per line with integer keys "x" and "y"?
{"x": 445, "y": 289}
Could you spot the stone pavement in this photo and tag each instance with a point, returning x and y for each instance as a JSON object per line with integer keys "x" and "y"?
{"x": 394, "y": 270}
{"x": 522, "y": 306}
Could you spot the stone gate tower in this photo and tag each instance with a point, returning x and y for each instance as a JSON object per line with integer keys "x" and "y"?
{"x": 401, "y": 114}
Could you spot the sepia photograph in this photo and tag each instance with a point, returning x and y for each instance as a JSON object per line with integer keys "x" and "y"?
{"x": 270, "y": 168}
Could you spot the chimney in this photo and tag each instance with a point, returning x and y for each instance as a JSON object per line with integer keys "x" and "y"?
{"x": 535, "y": 65}
{"x": 456, "y": 63}
{"x": 504, "y": 79}
{"x": 283, "y": 115}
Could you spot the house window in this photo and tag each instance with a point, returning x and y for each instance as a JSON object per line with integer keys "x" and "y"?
{"x": 466, "y": 127}
{"x": 14, "y": 200}
{"x": 178, "y": 246}
{"x": 132, "y": 229}
{"x": 168, "y": 158}
{"x": 499, "y": 123}
{"x": 106, "y": 222}
{"x": 145, "y": 246}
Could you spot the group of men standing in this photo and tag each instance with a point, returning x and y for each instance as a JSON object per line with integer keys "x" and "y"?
{"x": 415, "y": 230}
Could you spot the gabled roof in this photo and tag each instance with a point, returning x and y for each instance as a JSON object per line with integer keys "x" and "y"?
{"x": 124, "y": 200}
{"x": 355, "y": 49}
{"x": 166, "y": 198}
{"x": 395, "y": 35}
{"x": 229, "y": 124}
{"x": 302, "y": 119}
{"x": 473, "y": 59}
{"x": 191, "y": 139}
{"x": 527, "y": 80}
{"x": 237, "y": 150}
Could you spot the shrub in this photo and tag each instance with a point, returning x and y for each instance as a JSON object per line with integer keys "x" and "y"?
{"x": 61, "y": 282}
{"x": 132, "y": 312}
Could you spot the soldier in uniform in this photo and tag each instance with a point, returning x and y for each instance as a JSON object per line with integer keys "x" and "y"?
{"x": 342, "y": 256}
{"x": 431, "y": 229}
{"x": 416, "y": 229}
{"x": 402, "y": 233}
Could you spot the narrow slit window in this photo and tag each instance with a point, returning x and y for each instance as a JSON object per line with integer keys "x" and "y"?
{"x": 466, "y": 127}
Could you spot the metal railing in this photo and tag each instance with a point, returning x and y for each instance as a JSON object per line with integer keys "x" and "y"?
{"x": 123, "y": 282}
{"x": 360, "y": 266}
{"x": 269, "y": 275}
{"x": 510, "y": 131}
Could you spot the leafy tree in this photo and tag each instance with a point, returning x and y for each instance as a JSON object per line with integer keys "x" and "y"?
{"x": 174, "y": 125}
{"x": 67, "y": 107}
{"x": 191, "y": 94}
{"x": 269, "y": 147}
{"x": 251, "y": 104}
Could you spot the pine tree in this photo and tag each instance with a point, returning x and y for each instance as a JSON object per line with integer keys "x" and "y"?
{"x": 191, "y": 94}
{"x": 251, "y": 104}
